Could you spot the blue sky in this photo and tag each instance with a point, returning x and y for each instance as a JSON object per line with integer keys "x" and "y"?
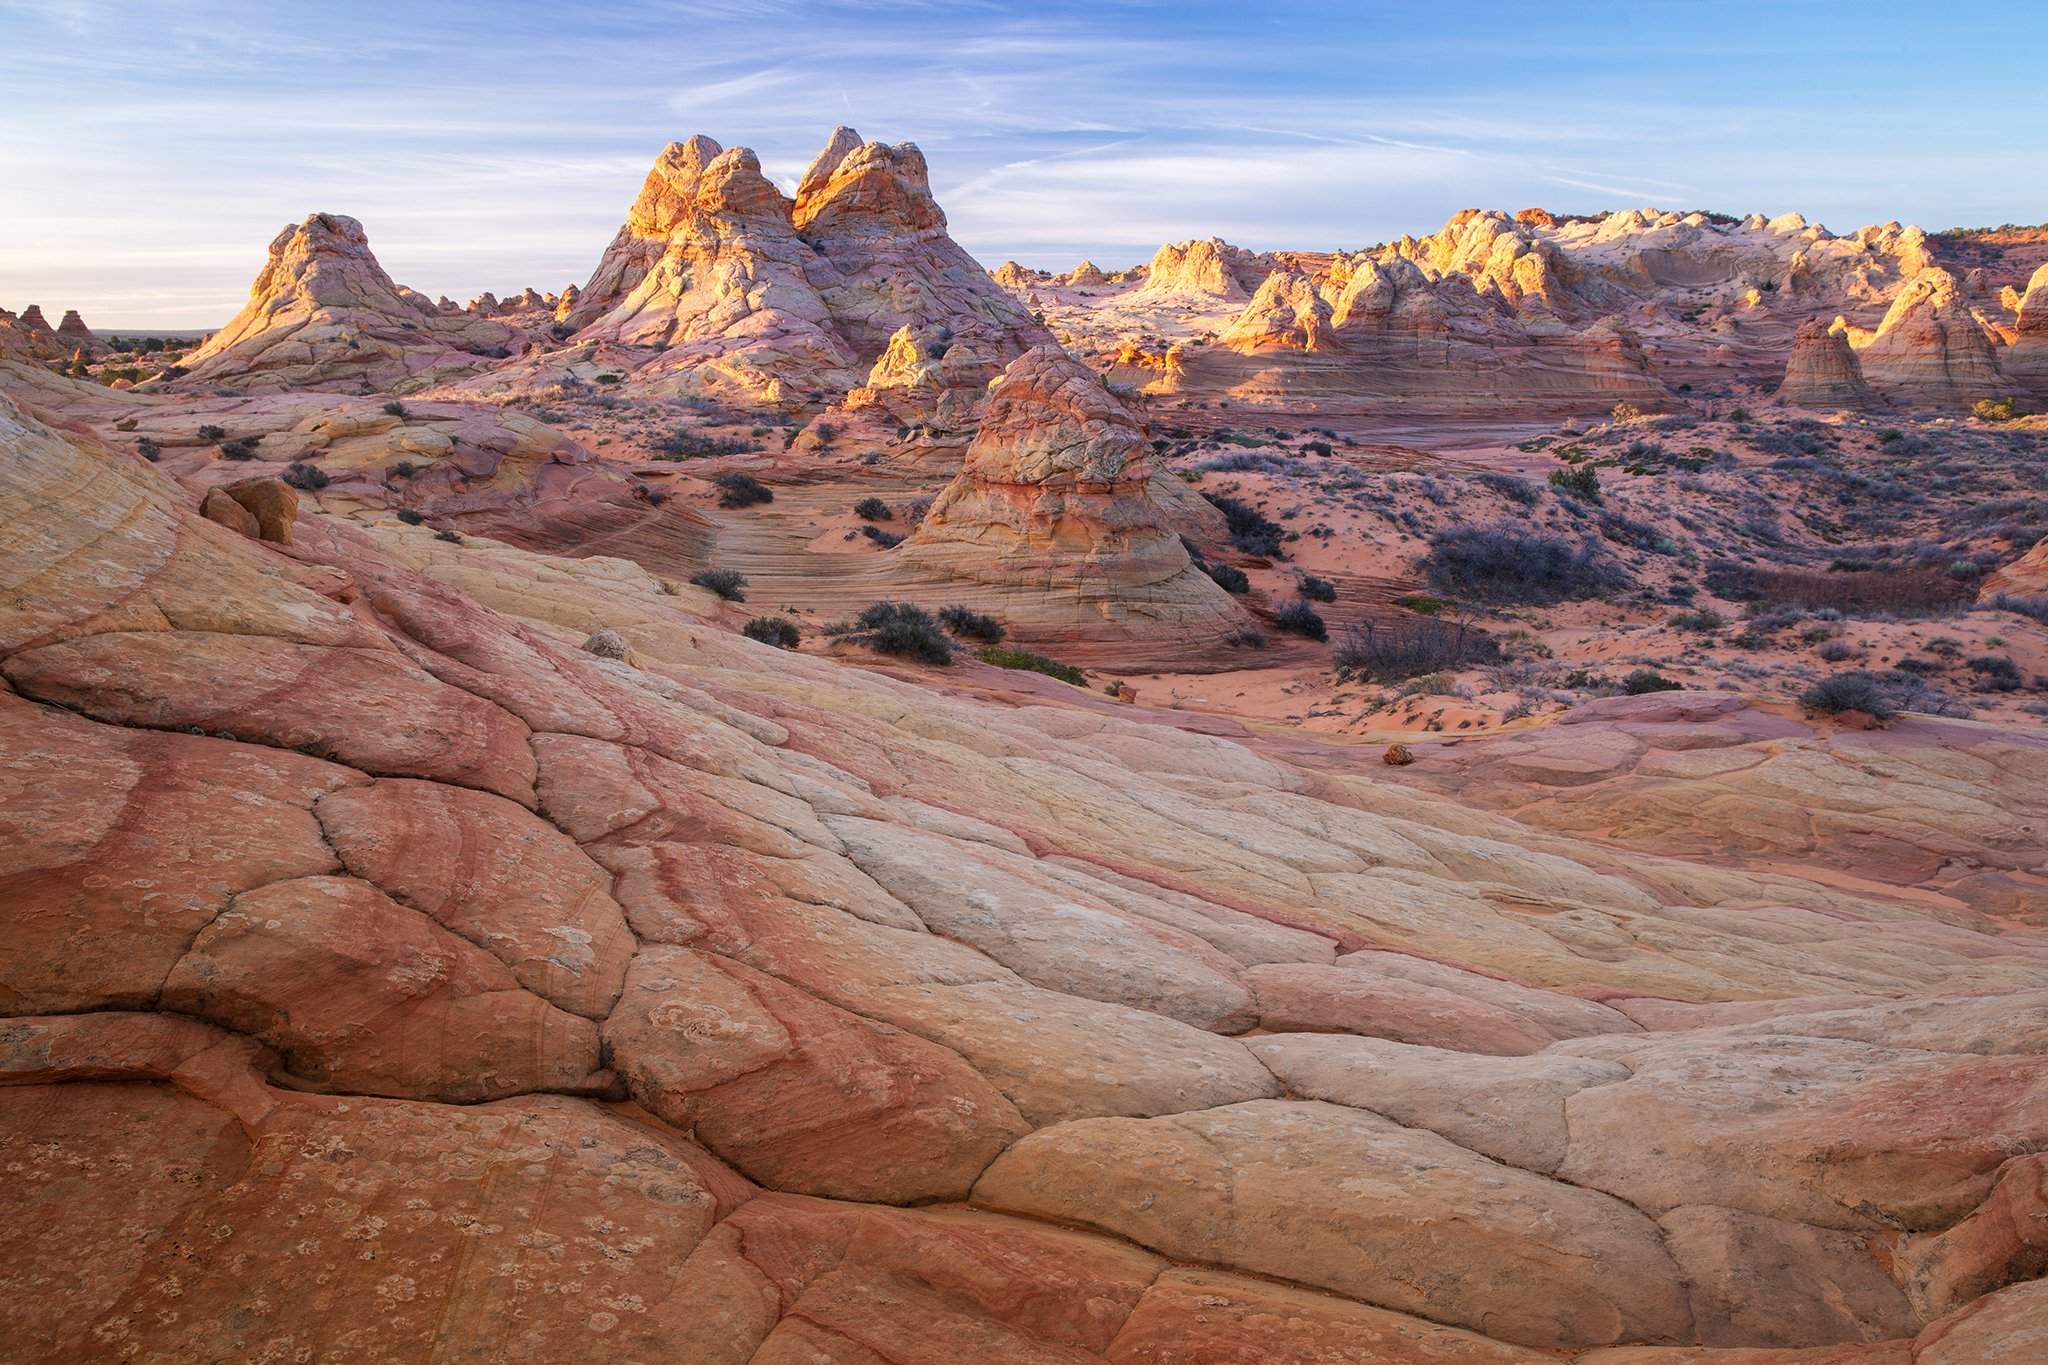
{"x": 151, "y": 151}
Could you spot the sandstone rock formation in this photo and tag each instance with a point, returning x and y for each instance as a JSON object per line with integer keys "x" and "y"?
{"x": 261, "y": 509}
{"x": 747, "y": 292}
{"x": 2026, "y": 361}
{"x": 1061, "y": 514}
{"x": 926, "y": 391}
{"x": 1931, "y": 347}
{"x": 1013, "y": 276}
{"x": 1823, "y": 371}
{"x": 29, "y": 337}
{"x": 324, "y": 315}
{"x": 73, "y": 329}
{"x": 374, "y": 945}
{"x": 1376, "y": 329}
{"x": 867, "y": 209}
{"x": 2026, "y": 576}
{"x": 1208, "y": 268}
{"x": 1286, "y": 314}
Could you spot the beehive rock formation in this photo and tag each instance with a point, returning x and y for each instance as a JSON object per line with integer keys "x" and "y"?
{"x": 1061, "y": 513}
{"x": 1931, "y": 347}
{"x": 1286, "y": 314}
{"x": 322, "y": 314}
{"x": 926, "y": 385}
{"x": 73, "y": 329}
{"x": 1823, "y": 371}
{"x": 2026, "y": 361}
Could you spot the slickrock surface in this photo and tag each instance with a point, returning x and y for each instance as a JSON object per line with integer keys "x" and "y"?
{"x": 1062, "y": 521}
{"x": 389, "y": 976}
{"x": 324, "y": 315}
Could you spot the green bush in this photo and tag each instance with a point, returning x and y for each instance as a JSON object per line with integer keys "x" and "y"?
{"x": 872, "y": 509}
{"x": 971, "y": 625}
{"x": 1579, "y": 482}
{"x": 305, "y": 476}
{"x": 1228, "y": 578}
{"x": 1645, "y": 680}
{"x": 1036, "y": 663}
{"x": 1855, "y": 690}
{"x": 903, "y": 629}
{"x": 1318, "y": 589}
{"x": 730, "y": 584}
{"x": 779, "y": 631}
{"x": 1705, "y": 620}
{"x": 1504, "y": 563}
{"x": 1299, "y": 618}
{"x": 741, "y": 490}
{"x": 1250, "y": 530}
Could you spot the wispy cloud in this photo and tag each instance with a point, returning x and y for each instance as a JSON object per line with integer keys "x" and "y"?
{"x": 149, "y": 152}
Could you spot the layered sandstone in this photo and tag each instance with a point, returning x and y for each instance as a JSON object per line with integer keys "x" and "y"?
{"x": 926, "y": 391}
{"x": 1823, "y": 371}
{"x": 1931, "y": 346}
{"x": 1374, "y": 330}
{"x": 2026, "y": 361}
{"x": 2026, "y": 576}
{"x": 1061, "y": 514}
{"x": 322, "y": 314}
{"x": 749, "y": 293}
{"x": 29, "y": 336}
{"x": 1287, "y": 313}
{"x": 74, "y": 330}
